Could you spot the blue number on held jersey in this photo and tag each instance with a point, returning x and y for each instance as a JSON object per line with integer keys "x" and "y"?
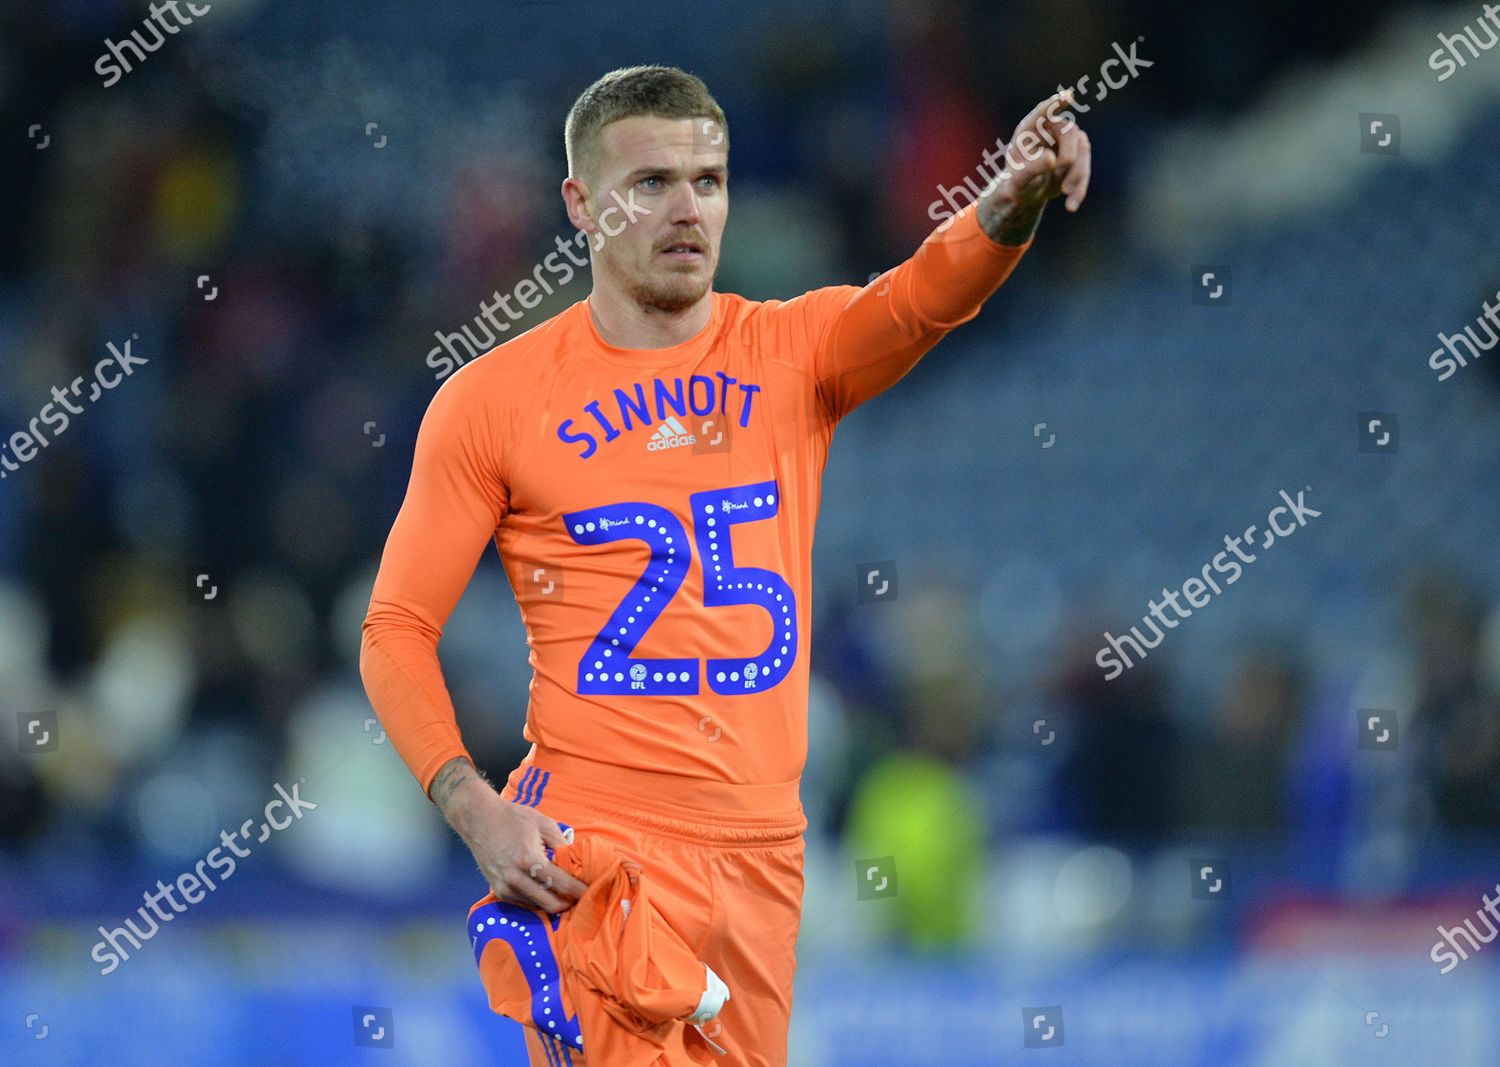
{"x": 608, "y": 668}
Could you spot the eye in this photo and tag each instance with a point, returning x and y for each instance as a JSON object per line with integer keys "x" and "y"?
{"x": 650, "y": 183}
{"x": 712, "y": 180}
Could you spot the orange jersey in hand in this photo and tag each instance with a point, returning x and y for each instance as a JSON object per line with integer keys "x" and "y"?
{"x": 654, "y": 512}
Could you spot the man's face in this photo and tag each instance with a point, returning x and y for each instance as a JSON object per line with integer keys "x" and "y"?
{"x": 676, "y": 169}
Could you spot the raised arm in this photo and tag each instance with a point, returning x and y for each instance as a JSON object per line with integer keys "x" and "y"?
{"x": 871, "y": 337}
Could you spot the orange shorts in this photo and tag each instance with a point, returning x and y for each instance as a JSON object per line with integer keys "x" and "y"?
{"x": 726, "y": 868}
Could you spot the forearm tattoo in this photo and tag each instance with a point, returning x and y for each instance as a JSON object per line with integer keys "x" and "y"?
{"x": 453, "y": 774}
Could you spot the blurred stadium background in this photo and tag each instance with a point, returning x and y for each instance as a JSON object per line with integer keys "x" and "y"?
{"x": 1045, "y": 828}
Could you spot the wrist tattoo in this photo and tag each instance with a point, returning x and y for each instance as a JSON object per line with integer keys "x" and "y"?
{"x": 453, "y": 774}
{"x": 1010, "y": 224}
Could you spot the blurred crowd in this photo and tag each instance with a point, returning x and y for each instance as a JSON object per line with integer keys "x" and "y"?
{"x": 285, "y": 279}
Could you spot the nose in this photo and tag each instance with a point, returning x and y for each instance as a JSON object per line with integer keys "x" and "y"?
{"x": 685, "y": 209}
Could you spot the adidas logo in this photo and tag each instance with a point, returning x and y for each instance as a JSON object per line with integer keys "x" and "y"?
{"x": 670, "y": 434}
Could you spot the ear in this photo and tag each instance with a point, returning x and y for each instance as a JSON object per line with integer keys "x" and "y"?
{"x": 576, "y": 196}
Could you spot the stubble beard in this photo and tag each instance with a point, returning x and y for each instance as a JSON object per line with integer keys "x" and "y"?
{"x": 673, "y": 291}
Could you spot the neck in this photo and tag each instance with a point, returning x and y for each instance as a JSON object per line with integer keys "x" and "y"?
{"x": 624, "y": 323}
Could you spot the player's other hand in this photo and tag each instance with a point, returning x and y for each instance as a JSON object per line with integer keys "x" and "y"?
{"x": 509, "y": 843}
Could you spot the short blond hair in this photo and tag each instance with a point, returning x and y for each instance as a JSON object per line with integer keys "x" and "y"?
{"x": 659, "y": 92}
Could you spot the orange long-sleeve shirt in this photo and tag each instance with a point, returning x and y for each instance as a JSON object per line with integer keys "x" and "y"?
{"x": 654, "y": 513}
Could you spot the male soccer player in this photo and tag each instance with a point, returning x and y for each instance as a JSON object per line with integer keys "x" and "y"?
{"x": 648, "y": 464}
